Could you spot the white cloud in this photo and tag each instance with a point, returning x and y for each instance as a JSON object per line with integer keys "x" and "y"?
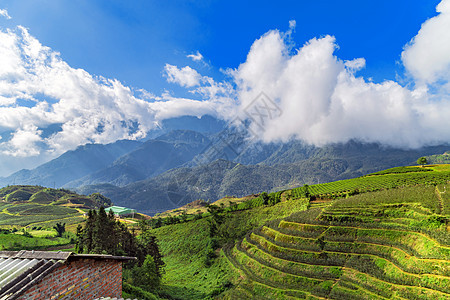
{"x": 186, "y": 77}
{"x": 91, "y": 109}
{"x": 4, "y": 13}
{"x": 427, "y": 56}
{"x": 195, "y": 57}
{"x": 24, "y": 142}
{"x": 322, "y": 101}
{"x": 321, "y": 98}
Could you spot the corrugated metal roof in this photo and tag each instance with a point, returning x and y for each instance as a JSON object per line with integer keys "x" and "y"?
{"x": 19, "y": 270}
{"x": 36, "y": 254}
{"x": 18, "y": 274}
{"x": 60, "y": 255}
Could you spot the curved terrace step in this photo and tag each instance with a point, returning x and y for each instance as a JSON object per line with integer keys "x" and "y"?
{"x": 380, "y": 268}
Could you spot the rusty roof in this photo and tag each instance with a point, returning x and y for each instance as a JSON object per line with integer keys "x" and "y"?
{"x": 19, "y": 270}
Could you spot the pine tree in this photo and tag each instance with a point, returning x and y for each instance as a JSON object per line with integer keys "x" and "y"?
{"x": 103, "y": 234}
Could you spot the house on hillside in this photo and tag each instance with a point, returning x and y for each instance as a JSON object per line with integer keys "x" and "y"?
{"x": 120, "y": 211}
{"x": 59, "y": 275}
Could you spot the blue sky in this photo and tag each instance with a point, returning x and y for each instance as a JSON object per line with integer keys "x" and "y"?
{"x": 133, "y": 40}
{"x": 77, "y": 72}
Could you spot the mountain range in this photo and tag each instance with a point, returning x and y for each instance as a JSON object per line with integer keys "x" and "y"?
{"x": 207, "y": 161}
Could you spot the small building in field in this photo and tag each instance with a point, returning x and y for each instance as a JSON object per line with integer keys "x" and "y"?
{"x": 120, "y": 211}
{"x": 59, "y": 275}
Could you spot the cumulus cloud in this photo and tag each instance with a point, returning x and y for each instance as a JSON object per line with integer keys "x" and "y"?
{"x": 4, "y": 13}
{"x": 308, "y": 94}
{"x": 195, "y": 56}
{"x": 427, "y": 56}
{"x": 186, "y": 76}
{"x": 39, "y": 89}
{"x": 24, "y": 142}
{"x": 321, "y": 100}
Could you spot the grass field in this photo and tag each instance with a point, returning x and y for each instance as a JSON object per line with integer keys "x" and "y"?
{"x": 39, "y": 240}
{"x": 388, "y": 240}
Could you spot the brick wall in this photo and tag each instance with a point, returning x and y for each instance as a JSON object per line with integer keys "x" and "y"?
{"x": 80, "y": 279}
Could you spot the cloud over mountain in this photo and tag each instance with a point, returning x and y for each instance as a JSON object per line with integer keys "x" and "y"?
{"x": 321, "y": 99}
{"x": 38, "y": 89}
{"x": 318, "y": 97}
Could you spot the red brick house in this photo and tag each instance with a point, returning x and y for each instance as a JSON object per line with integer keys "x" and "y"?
{"x": 59, "y": 275}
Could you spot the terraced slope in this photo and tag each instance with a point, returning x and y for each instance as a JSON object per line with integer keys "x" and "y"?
{"x": 36, "y": 206}
{"x": 388, "y": 244}
{"x": 390, "y": 178}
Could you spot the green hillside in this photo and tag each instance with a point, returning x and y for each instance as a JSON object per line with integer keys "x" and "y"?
{"x": 381, "y": 236}
{"x": 29, "y": 213}
{"x": 36, "y": 206}
{"x": 439, "y": 158}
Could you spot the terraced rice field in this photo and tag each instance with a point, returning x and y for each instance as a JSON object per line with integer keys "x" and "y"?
{"x": 390, "y": 244}
{"x": 387, "y": 179}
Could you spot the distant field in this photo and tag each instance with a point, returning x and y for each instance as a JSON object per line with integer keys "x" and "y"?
{"x": 28, "y": 214}
{"x": 391, "y": 178}
{"x": 33, "y": 206}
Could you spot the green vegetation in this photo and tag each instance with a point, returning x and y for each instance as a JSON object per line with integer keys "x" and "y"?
{"x": 381, "y": 236}
{"x": 34, "y": 239}
{"x": 195, "y": 266}
{"x": 422, "y": 161}
{"x": 33, "y": 206}
{"x": 34, "y": 217}
{"x": 60, "y": 228}
{"x": 385, "y": 235}
{"x": 387, "y": 179}
{"x": 101, "y": 233}
{"x": 439, "y": 158}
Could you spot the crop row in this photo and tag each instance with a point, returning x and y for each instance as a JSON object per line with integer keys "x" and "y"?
{"x": 255, "y": 285}
{"x": 370, "y": 264}
{"x": 262, "y": 259}
{"x": 416, "y": 243}
{"x": 443, "y": 191}
{"x": 281, "y": 279}
{"x": 389, "y": 290}
{"x": 338, "y": 239}
{"x": 371, "y": 183}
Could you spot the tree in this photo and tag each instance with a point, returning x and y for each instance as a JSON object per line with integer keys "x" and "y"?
{"x": 422, "y": 161}
{"x": 146, "y": 276}
{"x": 265, "y": 197}
{"x": 99, "y": 200}
{"x": 149, "y": 246}
{"x": 217, "y": 217}
{"x": 103, "y": 234}
{"x": 60, "y": 229}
